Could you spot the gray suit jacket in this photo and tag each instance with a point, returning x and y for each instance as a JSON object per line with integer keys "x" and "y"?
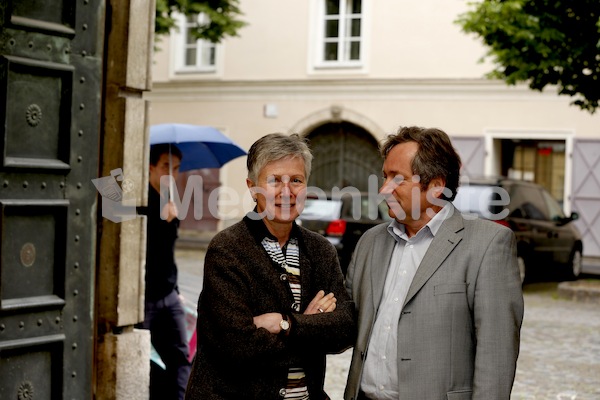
{"x": 458, "y": 333}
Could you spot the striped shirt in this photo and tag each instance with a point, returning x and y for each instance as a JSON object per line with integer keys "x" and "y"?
{"x": 289, "y": 259}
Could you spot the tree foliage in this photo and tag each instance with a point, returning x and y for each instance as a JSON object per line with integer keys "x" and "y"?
{"x": 223, "y": 17}
{"x": 542, "y": 42}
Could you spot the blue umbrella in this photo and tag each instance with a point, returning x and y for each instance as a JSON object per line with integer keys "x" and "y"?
{"x": 201, "y": 146}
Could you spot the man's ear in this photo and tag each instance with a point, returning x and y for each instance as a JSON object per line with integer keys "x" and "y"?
{"x": 436, "y": 187}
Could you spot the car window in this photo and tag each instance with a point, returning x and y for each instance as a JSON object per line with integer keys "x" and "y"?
{"x": 484, "y": 201}
{"x": 554, "y": 209}
{"x": 530, "y": 202}
{"x": 364, "y": 208}
{"x": 371, "y": 210}
{"x": 321, "y": 209}
{"x": 533, "y": 212}
{"x": 360, "y": 208}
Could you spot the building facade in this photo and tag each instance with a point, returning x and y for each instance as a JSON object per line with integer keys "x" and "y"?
{"x": 344, "y": 73}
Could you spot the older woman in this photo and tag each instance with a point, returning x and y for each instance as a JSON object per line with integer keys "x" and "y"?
{"x": 273, "y": 302}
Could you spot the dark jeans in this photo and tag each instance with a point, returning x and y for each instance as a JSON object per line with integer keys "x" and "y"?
{"x": 166, "y": 320}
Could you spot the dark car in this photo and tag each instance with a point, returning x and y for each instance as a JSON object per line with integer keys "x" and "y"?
{"x": 545, "y": 236}
{"x": 343, "y": 219}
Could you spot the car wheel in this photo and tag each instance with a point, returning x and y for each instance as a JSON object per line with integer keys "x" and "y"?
{"x": 522, "y": 268}
{"x": 575, "y": 264}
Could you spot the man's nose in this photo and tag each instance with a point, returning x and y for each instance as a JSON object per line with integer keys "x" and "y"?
{"x": 387, "y": 187}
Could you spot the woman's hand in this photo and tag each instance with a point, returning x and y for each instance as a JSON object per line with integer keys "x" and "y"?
{"x": 321, "y": 303}
{"x": 269, "y": 321}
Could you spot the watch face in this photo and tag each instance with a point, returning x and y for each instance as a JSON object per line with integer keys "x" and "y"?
{"x": 285, "y": 325}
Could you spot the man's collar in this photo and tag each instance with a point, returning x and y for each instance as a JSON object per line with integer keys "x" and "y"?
{"x": 438, "y": 219}
{"x": 398, "y": 230}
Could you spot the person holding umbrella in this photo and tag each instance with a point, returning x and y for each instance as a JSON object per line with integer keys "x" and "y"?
{"x": 174, "y": 148}
{"x": 164, "y": 310}
{"x": 273, "y": 302}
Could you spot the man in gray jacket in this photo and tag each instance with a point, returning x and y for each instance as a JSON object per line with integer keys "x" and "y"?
{"x": 438, "y": 296}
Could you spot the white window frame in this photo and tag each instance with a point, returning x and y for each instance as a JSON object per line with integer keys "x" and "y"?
{"x": 181, "y": 46}
{"x": 343, "y": 39}
{"x": 492, "y": 155}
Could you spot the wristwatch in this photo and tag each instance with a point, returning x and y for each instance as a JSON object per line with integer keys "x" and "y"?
{"x": 284, "y": 324}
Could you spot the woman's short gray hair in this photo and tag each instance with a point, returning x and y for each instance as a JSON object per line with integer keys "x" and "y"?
{"x": 275, "y": 146}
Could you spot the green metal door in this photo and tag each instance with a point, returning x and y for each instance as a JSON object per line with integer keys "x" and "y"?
{"x": 50, "y": 74}
{"x": 345, "y": 155}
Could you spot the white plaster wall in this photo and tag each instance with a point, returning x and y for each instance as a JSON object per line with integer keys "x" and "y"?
{"x": 273, "y": 45}
{"x": 403, "y": 39}
{"x": 419, "y": 39}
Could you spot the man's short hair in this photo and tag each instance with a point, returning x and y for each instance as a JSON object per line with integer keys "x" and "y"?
{"x": 157, "y": 150}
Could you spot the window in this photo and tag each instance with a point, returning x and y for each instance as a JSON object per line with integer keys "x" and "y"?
{"x": 482, "y": 200}
{"x": 341, "y": 37}
{"x": 556, "y": 212}
{"x": 531, "y": 202}
{"x": 194, "y": 55}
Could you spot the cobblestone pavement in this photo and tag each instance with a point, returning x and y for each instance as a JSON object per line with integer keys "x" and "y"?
{"x": 560, "y": 348}
{"x": 560, "y": 343}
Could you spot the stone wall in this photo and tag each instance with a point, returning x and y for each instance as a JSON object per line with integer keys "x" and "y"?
{"x": 123, "y": 352}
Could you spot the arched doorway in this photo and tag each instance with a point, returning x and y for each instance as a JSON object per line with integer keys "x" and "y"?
{"x": 344, "y": 155}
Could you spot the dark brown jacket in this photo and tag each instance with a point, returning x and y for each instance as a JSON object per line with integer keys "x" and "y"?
{"x": 235, "y": 360}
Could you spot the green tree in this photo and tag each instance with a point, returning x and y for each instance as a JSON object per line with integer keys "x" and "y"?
{"x": 542, "y": 42}
{"x": 222, "y": 14}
